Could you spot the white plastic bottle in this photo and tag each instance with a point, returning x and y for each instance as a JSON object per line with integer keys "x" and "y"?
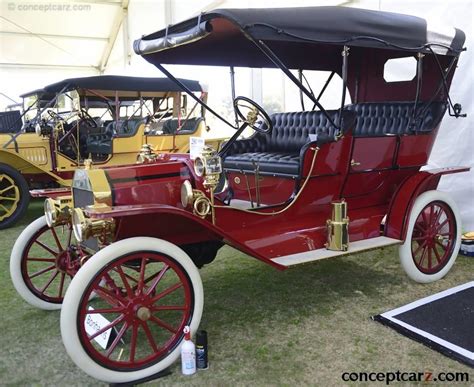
{"x": 188, "y": 354}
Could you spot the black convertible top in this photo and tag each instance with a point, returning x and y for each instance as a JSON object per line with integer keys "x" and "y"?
{"x": 117, "y": 83}
{"x": 217, "y": 35}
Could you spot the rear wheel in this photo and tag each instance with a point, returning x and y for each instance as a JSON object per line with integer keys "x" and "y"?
{"x": 14, "y": 196}
{"x": 433, "y": 237}
{"x": 42, "y": 263}
{"x": 147, "y": 290}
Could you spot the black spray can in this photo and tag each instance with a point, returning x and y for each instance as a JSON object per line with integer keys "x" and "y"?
{"x": 201, "y": 350}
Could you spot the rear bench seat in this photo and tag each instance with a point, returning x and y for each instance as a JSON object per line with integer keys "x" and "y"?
{"x": 376, "y": 119}
{"x": 282, "y": 151}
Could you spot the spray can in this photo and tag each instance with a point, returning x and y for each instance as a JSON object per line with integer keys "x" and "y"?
{"x": 201, "y": 350}
{"x": 188, "y": 354}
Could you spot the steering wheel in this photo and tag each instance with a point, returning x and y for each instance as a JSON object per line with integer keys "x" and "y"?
{"x": 55, "y": 116}
{"x": 252, "y": 114}
{"x": 88, "y": 119}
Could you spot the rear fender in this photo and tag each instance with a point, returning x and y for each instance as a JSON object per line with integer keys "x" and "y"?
{"x": 172, "y": 224}
{"x": 405, "y": 196}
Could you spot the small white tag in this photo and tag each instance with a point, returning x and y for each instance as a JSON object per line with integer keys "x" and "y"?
{"x": 94, "y": 323}
{"x": 195, "y": 146}
{"x": 313, "y": 137}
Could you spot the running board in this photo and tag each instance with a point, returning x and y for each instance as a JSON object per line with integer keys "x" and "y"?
{"x": 354, "y": 247}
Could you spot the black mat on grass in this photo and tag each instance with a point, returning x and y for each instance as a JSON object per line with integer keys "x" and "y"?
{"x": 443, "y": 322}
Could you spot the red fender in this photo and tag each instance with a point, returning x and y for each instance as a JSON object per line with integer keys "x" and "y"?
{"x": 402, "y": 201}
{"x": 188, "y": 222}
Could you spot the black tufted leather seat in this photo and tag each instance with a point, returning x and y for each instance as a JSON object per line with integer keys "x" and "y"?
{"x": 394, "y": 118}
{"x": 187, "y": 126}
{"x": 281, "y": 152}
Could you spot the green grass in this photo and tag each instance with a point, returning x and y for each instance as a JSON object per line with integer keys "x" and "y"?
{"x": 304, "y": 326}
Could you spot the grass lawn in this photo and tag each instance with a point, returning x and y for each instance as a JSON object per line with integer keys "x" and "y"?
{"x": 304, "y": 326}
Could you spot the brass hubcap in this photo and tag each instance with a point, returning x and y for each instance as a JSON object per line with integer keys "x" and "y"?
{"x": 143, "y": 313}
{"x": 9, "y": 196}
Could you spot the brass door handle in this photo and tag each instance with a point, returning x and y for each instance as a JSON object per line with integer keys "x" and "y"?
{"x": 354, "y": 163}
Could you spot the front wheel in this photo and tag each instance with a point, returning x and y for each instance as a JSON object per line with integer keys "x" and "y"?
{"x": 42, "y": 262}
{"x": 14, "y": 196}
{"x": 433, "y": 237}
{"x": 147, "y": 290}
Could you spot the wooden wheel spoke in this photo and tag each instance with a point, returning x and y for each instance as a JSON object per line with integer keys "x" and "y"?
{"x": 419, "y": 248}
{"x": 425, "y": 220}
{"x": 50, "y": 281}
{"x": 40, "y": 272}
{"x": 157, "y": 278}
{"x": 133, "y": 343}
{"x": 7, "y": 198}
{"x": 168, "y": 307}
{"x": 430, "y": 215}
{"x": 167, "y": 291}
{"x": 163, "y": 324}
{"x": 420, "y": 228}
{"x": 110, "y": 297}
{"x": 124, "y": 281}
{"x": 441, "y": 245}
{"x": 61, "y": 285}
{"x": 429, "y": 257}
{"x": 2, "y": 191}
{"x": 141, "y": 278}
{"x": 56, "y": 239}
{"x": 438, "y": 258}
{"x": 441, "y": 225}
{"x": 438, "y": 215}
{"x": 48, "y": 249}
{"x": 34, "y": 259}
{"x": 149, "y": 336}
{"x": 107, "y": 327}
{"x": 117, "y": 339}
{"x": 423, "y": 255}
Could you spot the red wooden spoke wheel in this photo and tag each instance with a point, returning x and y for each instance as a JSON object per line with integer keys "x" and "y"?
{"x": 146, "y": 291}
{"x": 433, "y": 237}
{"x": 43, "y": 261}
{"x": 148, "y": 300}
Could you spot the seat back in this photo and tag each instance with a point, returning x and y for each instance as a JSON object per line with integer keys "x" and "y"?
{"x": 395, "y": 118}
{"x": 291, "y": 130}
{"x": 188, "y": 126}
{"x": 10, "y": 122}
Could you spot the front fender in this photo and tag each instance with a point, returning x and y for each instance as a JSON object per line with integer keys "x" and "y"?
{"x": 406, "y": 194}
{"x": 173, "y": 224}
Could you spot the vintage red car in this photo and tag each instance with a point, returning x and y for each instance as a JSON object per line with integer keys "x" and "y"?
{"x": 307, "y": 185}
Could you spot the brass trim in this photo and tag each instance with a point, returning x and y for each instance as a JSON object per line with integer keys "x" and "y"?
{"x": 338, "y": 227}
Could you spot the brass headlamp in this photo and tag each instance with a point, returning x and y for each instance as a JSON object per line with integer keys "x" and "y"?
{"x": 58, "y": 211}
{"x": 84, "y": 227}
{"x": 207, "y": 165}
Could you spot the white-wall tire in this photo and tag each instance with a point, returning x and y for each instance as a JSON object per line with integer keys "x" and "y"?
{"x": 409, "y": 260}
{"x": 16, "y": 258}
{"x": 82, "y": 285}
